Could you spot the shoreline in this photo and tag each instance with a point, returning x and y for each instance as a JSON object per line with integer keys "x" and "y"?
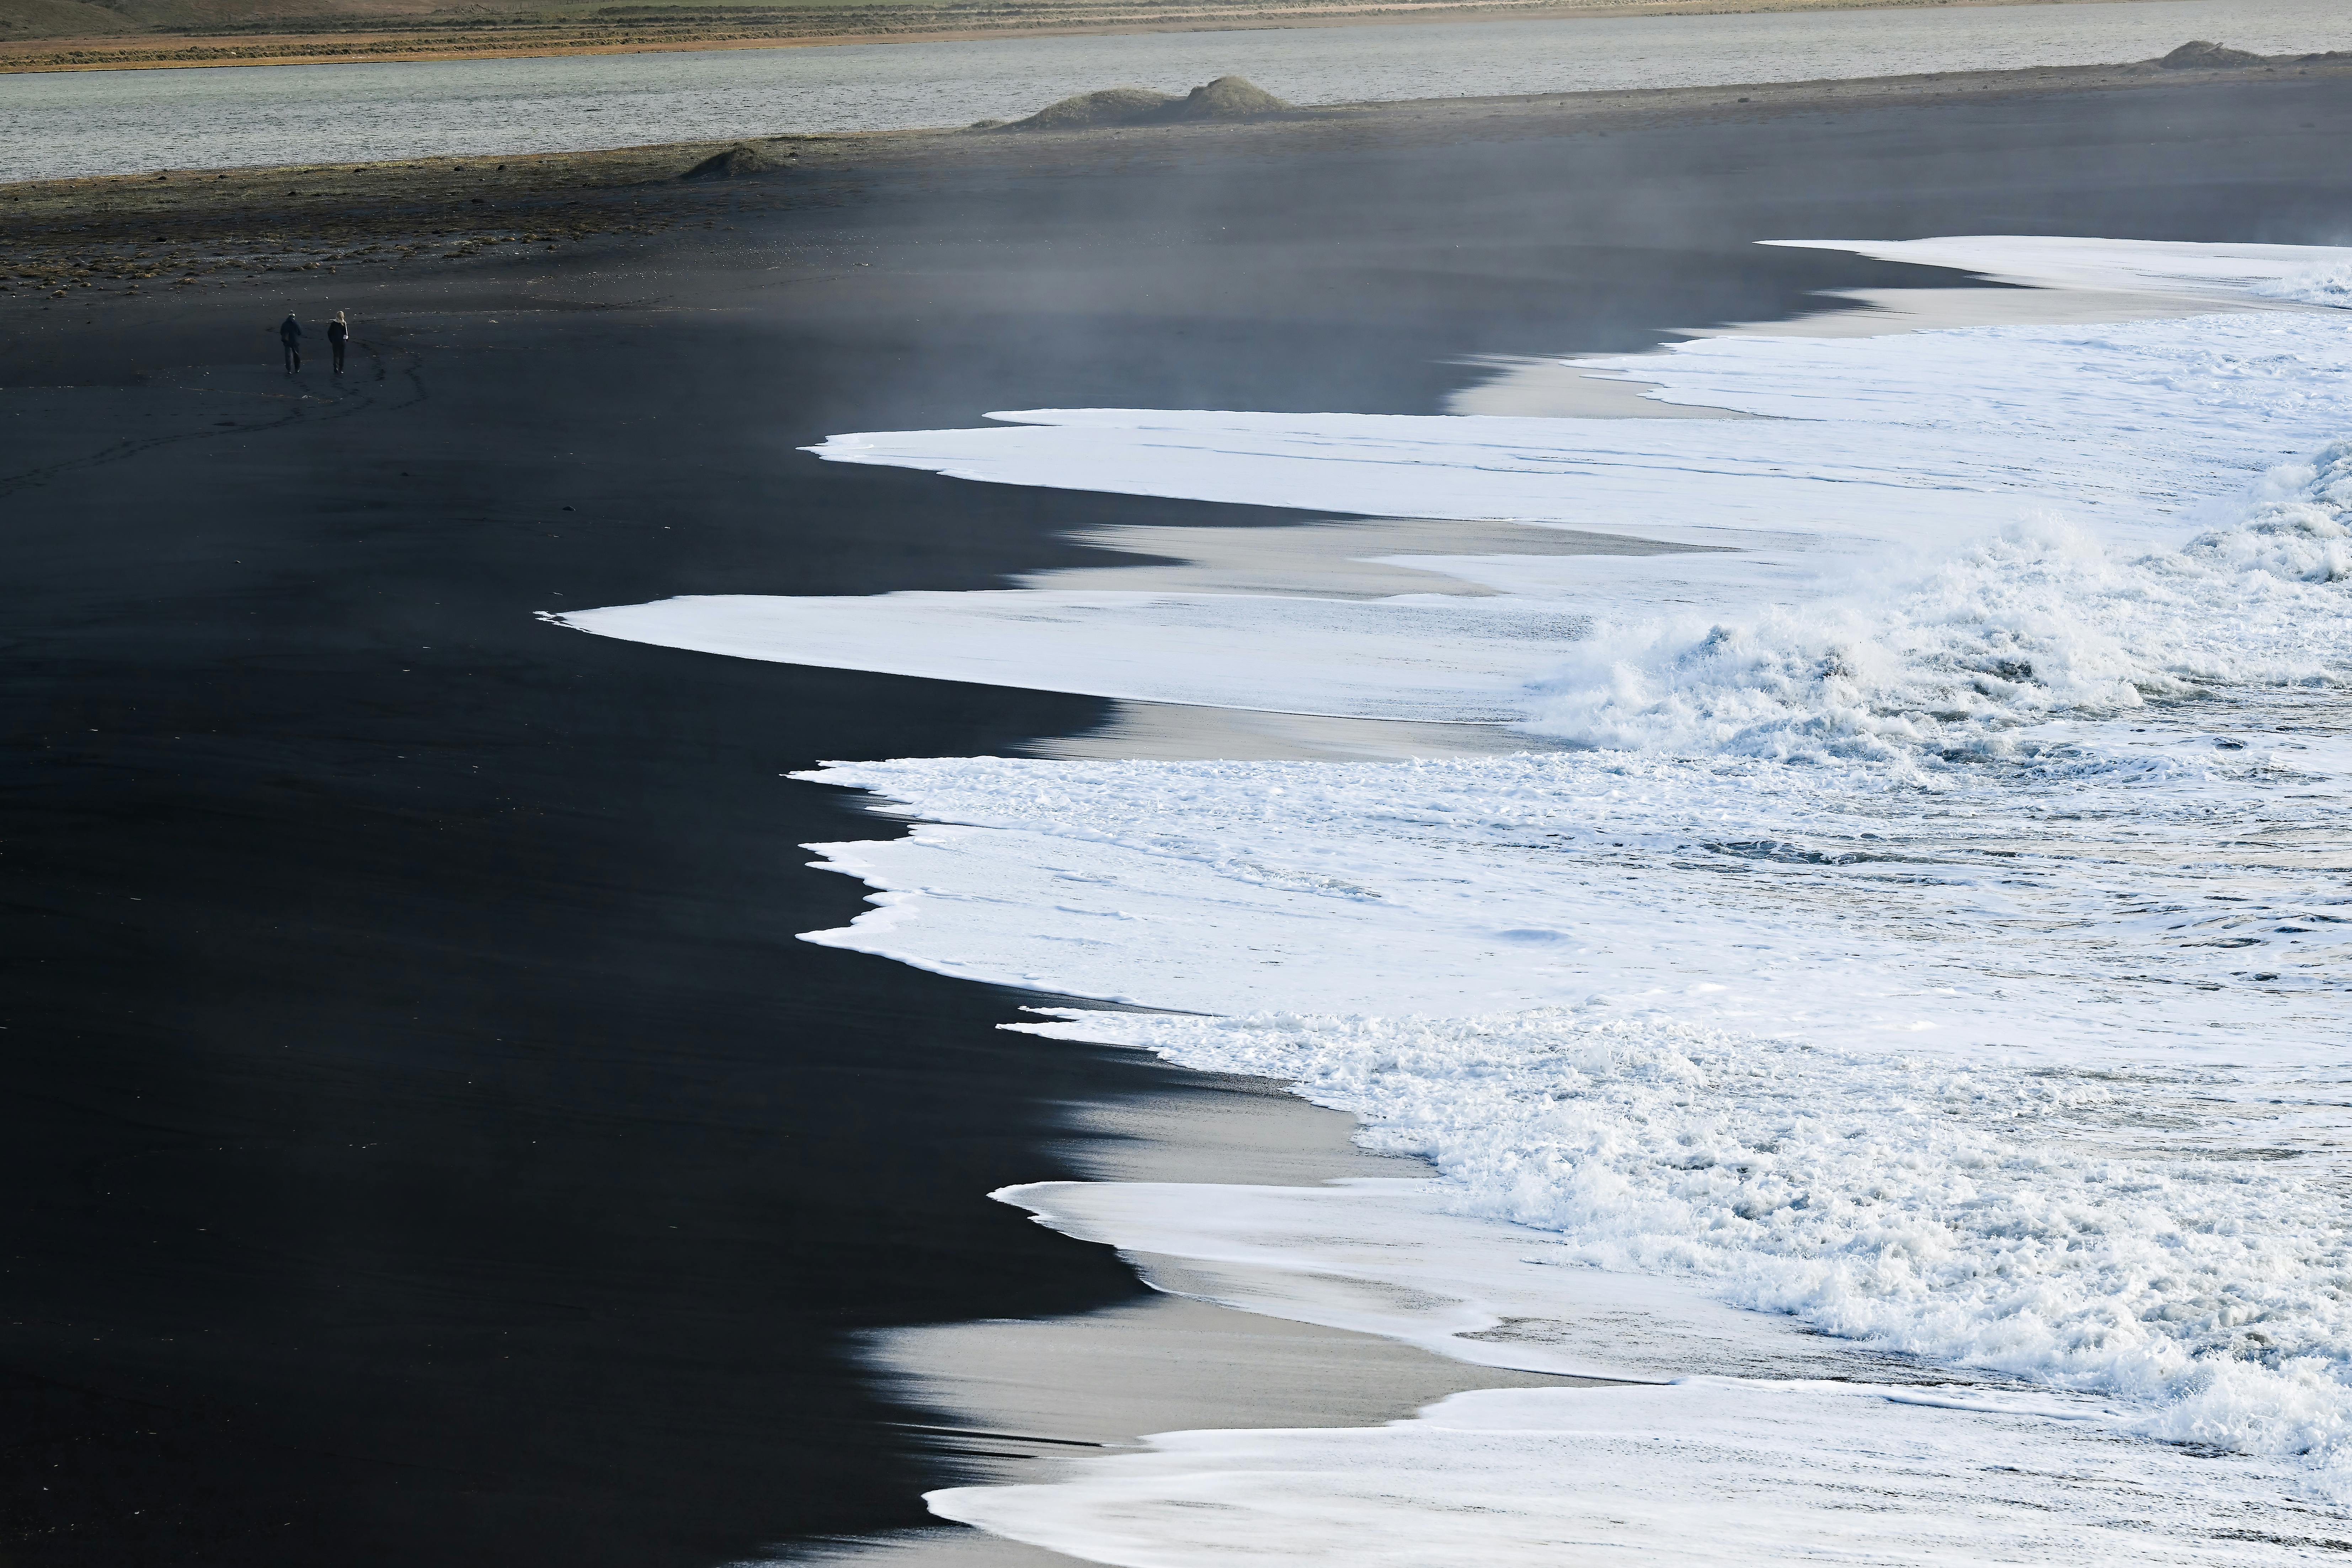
{"x": 1008, "y": 1379}
{"x": 113, "y": 52}
{"x": 461, "y": 1160}
{"x": 1018, "y": 1399}
{"x": 86, "y": 238}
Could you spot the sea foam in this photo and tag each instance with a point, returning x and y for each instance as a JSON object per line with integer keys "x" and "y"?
{"x": 2004, "y": 1214}
{"x": 1711, "y": 1472}
{"x": 1991, "y": 475}
{"x": 1932, "y": 935}
{"x": 1963, "y": 655}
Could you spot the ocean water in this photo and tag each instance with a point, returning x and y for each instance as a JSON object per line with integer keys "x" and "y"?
{"x": 1895, "y": 1010}
{"x": 99, "y": 122}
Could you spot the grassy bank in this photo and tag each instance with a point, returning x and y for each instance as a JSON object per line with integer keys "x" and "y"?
{"x": 73, "y": 34}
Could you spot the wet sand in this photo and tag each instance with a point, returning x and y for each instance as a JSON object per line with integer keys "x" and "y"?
{"x": 433, "y": 1144}
{"x": 1015, "y": 1401}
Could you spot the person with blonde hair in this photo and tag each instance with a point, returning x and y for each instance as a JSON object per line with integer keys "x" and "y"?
{"x": 338, "y": 333}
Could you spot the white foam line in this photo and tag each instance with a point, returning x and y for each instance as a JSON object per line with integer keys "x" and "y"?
{"x": 1868, "y": 453}
{"x": 2242, "y": 276}
{"x": 1934, "y": 974}
{"x": 1428, "y": 657}
{"x": 1709, "y": 1472}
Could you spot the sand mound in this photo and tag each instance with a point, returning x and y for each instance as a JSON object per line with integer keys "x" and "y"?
{"x": 1227, "y": 98}
{"x": 2204, "y": 53}
{"x": 741, "y": 159}
{"x": 1111, "y": 106}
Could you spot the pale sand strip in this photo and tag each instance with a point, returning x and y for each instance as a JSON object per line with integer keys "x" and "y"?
{"x": 1346, "y": 558}
{"x": 1030, "y": 1395}
{"x": 1168, "y": 732}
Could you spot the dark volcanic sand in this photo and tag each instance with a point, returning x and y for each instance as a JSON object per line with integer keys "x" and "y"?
{"x": 426, "y": 1142}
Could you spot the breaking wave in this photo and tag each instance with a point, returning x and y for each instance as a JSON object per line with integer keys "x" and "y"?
{"x": 2032, "y": 624}
{"x": 2321, "y": 286}
{"x": 2021, "y": 1219}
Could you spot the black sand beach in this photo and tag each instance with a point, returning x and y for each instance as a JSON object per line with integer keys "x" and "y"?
{"x": 429, "y": 1142}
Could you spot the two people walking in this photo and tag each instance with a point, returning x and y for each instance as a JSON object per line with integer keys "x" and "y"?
{"x": 290, "y": 338}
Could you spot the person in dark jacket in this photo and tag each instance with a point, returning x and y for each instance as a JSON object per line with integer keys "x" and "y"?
{"x": 338, "y": 333}
{"x": 290, "y": 338}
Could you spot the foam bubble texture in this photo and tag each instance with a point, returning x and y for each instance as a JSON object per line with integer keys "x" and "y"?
{"x": 2075, "y": 1227}
{"x": 1958, "y": 654}
{"x": 1711, "y": 1472}
{"x": 1940, "y": 939}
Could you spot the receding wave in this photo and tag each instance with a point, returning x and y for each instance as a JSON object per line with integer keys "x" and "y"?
{"x": 1934, "y": 935}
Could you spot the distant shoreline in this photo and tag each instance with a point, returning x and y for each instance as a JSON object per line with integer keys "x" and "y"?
{"x": 889, "y": 24}
{"x": 100, "y": 231}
